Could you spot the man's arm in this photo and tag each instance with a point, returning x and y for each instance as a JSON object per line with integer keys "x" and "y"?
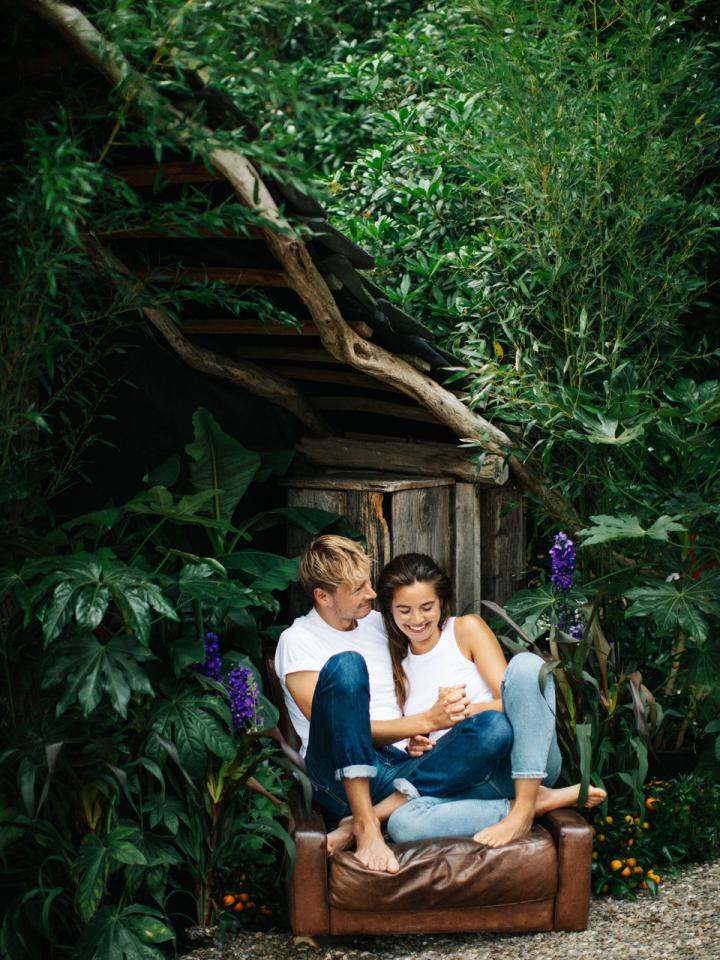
{"x": 302, "y": 688}
{"x": 450, "y": 708}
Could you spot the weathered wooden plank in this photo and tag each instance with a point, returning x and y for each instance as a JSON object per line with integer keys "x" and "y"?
{"x": 396, "y": 455}
{"x": 467, "y": 549}
{"x": 363, "y": 510}
{"x": 240, "y": 276}
{"x": 297, "y": 539}
{"x": 365, "y": 481}
{"x": 179, "y": 171}
{"x": 502, "y": 561}
{"x": 380, "y": 407}
{"x": 422, "y": 523}
{"x": 339, "y": 375}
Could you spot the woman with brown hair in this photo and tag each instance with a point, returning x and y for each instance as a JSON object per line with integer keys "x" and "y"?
{"x": 432, "y": 650}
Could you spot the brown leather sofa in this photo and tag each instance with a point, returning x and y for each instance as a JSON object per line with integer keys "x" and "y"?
{"x": 541, "y": 882}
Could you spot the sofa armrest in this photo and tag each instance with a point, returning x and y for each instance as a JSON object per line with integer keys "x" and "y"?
{"x": 573, "y": 839}
{"x": 308, "y": 885}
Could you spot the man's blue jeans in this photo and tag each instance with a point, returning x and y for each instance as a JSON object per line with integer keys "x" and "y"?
{"x": 534, "y": 756}
{"x": 340, "y": 745}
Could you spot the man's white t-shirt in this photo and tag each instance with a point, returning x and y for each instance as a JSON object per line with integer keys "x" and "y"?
{"x": 308, "y": 644}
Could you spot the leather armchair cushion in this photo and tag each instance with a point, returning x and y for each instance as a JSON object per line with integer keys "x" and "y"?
{"x": 442, "y": 874}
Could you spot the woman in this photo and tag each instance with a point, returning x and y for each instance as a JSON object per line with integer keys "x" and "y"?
{"x": 431, "y": 649}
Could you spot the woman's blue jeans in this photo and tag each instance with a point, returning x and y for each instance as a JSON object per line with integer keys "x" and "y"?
{"x": 340, "y": 745}
{"x": 535, "y": 755}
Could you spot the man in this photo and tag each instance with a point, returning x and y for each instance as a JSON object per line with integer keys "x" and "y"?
{"x": 335, "y": 670}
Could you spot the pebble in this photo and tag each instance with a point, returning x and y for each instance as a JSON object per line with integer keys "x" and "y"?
{"x": 683, "y": 923}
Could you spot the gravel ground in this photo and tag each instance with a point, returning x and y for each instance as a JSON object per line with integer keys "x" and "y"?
{"x": 683, "y": 923}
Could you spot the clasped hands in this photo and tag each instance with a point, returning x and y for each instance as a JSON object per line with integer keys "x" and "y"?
{"x": 452, "y": 706}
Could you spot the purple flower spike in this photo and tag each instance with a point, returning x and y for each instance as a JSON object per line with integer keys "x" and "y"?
{"x": 576, "y": 631}
{"x": 562, "y": 559}
{"x": 211, "y": 665}
{"x": 242, "y": 693}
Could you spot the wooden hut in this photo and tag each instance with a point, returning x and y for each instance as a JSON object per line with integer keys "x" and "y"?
{"x": 377, "y": 429}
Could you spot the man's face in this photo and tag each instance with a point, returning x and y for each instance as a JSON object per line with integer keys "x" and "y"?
{"x": 346, "y": 604}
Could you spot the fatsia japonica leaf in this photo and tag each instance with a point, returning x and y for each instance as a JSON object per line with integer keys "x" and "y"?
{"x": 625, "y": 527}
{"x": 123, "y": 935}
{"x": 196, "y": 721}
{"x": 83, "y": 585}
{"x": 220, "y": 463}
{"x": 682, "y": 604}
{"x": 87, "y": 669}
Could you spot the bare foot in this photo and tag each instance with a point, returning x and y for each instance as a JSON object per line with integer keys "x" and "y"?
{"x": 341, "y": 837}
{"x": 516, "y": 824}
{"x": 372, "y": 851}
{"x": 552, "y": 799}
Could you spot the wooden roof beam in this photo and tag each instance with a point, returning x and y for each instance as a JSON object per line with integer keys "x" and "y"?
{"x": 403, "y": 456}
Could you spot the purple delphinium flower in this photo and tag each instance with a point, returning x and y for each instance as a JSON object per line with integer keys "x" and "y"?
{"x": 211, "y": 666}
{"x": 576, "y": 632}
{"x": 242, "y": 693}
{"x": 562, "y": 560}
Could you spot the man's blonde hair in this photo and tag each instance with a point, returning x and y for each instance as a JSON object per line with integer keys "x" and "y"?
{"x": 329, "y": 561}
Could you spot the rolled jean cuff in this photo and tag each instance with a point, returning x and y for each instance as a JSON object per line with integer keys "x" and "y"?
{"x": 354, "y": 771}
{"x": 532, "y": 775}
{"x": 406, "y": 788}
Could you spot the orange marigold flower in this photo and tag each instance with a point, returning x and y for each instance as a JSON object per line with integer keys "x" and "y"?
{"x": 228, "y": 900}
{"x": 244, "y": 896}
{"x": 631, "y": 862}
{"x": 239, "y": 906}
{"x": 637, "y": 869}
{"x": 615, "y": 864}
{"x": 626, "y": 872}
{"x": 651, "y": 803}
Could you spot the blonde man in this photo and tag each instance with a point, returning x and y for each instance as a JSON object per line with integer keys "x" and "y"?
{"x": 336, "y": 674}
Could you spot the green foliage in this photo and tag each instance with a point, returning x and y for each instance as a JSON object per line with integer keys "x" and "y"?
{"x": 677, "y": 824}
{"x": 128, "y": 783}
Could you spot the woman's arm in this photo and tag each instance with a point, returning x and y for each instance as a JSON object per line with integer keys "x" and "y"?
{"x": 478, "y": 643}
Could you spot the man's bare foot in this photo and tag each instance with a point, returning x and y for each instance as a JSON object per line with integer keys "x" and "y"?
{"x": 515, "y": 825}
{"x": 341, "y": 837}
{"x": 372, "y": 851}
{"x": 552, "y": 799}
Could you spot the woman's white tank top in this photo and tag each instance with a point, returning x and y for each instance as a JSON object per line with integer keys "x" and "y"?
{"x": 443, "y": 666}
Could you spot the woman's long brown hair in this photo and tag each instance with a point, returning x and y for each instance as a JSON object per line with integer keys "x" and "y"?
{"x": 403, "y": 571}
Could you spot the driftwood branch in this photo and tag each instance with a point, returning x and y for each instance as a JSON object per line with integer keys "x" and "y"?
{"x": 337, "y": 337}
{"x": 241, "y": 373}
{"x": 426, "y": 459}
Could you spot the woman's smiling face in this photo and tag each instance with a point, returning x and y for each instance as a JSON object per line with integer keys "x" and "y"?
{"x": 416, "y": 612}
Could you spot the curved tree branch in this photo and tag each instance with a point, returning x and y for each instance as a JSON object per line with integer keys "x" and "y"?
{"x": 337, "y": 337}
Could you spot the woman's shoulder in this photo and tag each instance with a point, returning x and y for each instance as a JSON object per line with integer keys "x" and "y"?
{"x": 470, "y": 624}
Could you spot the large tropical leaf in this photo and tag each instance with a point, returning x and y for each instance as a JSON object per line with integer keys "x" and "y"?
{"x": 196, "y": 721}
{"x": 681, "y": 604}
{"x": 123, "y": 935}
{"x": 220, "y": 463}
{"x": 605, "y": 529}
{"x": 270, "y": 571}
{"x": 86, "y": 669}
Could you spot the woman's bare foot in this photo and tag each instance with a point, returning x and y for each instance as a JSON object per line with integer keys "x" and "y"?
{"x": 553, "y": 799}
{"x": 515, "y": 825}
{"x": 371, "y": 850}
{"x": 341, "y": 837}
